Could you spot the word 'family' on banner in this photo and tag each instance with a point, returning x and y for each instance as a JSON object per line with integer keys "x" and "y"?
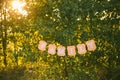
{"x": 71, "y": 50}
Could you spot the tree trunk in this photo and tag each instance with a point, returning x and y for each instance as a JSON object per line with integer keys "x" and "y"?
{"x": 4, "y": 33}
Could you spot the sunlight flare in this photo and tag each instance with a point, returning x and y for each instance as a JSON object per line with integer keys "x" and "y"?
{"x": 18, "y": 5}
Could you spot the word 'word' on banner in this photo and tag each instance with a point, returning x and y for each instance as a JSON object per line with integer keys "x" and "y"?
{"x": 71, "y": 50}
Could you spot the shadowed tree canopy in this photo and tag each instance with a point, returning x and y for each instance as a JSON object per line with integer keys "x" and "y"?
{"x": 65, "y": 22}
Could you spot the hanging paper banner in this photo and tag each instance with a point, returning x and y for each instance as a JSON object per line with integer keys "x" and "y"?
{"x": 61, "y": 51}
{"x": 81, "y": 48}
{"x": 91, "y": 45}
{"x": 52, "y": 49}
{"x": 42, "y": 45}
{"x": 71, "y": 50}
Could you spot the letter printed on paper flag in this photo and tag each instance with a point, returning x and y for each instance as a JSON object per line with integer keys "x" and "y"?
{"x": 52, "y": 49}
{"x": 81, "y": 48}
{"x": 71, "y": 50}
{"x": 91, "y": 45}
{"x": 61, "y": 51}
{"x": 42, "y": 45}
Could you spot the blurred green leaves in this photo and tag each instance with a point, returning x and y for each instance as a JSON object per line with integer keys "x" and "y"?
{"x": 67, "y": 23}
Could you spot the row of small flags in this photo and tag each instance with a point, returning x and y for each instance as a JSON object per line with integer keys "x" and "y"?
{"x": 71, "y": 50}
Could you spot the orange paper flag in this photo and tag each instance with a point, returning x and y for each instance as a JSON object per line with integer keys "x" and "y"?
{"x": 52, "y": 49}
{"x": 42, "y": 45}
{"x": 71, "y": 50}
{"x": 91, "y": 45}
{"x": 81, "y": 48}
{"x": 61, "y": 51}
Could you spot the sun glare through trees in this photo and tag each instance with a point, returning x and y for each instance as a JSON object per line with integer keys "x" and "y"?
{"x": 19, "y": 6}
{"x": 59, "y": 39}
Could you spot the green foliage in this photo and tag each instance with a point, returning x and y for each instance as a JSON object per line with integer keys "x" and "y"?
{"x": 65, "y": 22}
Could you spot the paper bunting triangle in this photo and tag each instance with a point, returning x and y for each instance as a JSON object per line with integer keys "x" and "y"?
{"x": 91, "y": 45}
{"x": 71, "y": 50}
{"x": 81, "y": 48}
{"x": 42, "y": 45}
{"x": 52, "y": 49}
{"x": 61, "y": 51}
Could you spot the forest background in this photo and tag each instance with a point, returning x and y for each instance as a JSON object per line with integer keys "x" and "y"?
{"x": 65, "y": 22}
